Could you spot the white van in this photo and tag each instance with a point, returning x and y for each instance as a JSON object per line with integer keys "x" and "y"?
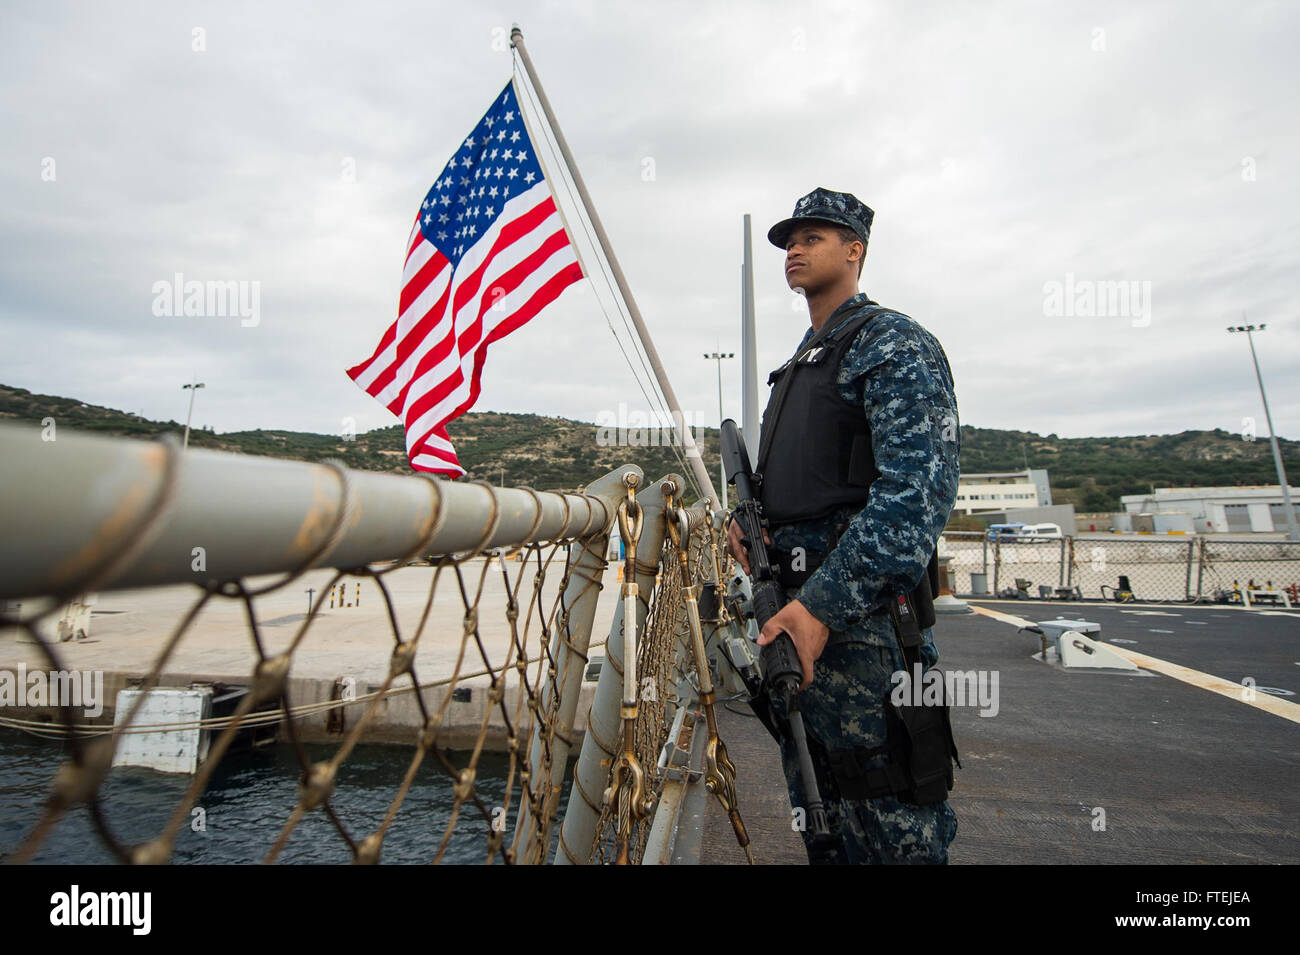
{"x": 1031, "y": 532}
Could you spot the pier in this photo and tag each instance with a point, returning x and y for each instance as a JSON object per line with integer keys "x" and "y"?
{"x": 1181, "y": 773}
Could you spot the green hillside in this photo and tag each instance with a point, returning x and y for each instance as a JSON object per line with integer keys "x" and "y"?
{"x": 1092, "y": 473}
{"x": 557, "y": 453}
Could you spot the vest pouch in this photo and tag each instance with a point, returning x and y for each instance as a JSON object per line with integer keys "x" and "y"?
{"x": 923, "y": 742}
{"x": 923, "y": 594}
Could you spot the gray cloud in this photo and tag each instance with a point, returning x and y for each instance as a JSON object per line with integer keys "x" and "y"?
{"x": 1001, "y": 148}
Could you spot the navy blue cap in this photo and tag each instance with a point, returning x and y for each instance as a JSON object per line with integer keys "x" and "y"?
{"x": 824, "y": 205}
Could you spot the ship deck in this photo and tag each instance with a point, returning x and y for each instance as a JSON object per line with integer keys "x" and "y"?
{"x": 1184, "y": 772}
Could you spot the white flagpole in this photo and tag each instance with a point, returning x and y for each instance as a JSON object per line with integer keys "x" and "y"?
{"x": 688, "y": 442}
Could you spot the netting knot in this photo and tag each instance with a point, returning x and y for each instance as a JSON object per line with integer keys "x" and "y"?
{"x": 269, "y": 677}
{"x": 464, "y": 784}
{"x": 155, "y": 852}
{"x": 403, "y": 657}
{"x": 77, "y": 784}
{"x": 368, "y": 849}
{"x": 317, "y": 786}
{"x": 429, "y": 735}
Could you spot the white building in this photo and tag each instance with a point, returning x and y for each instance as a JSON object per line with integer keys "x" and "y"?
{"x": 1219, "y": 510}
{"x": 1002, "y": 490}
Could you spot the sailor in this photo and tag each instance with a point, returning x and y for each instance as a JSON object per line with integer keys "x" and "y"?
{"x": 858, "y": 469}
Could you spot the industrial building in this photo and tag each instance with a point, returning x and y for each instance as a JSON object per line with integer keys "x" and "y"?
{"x": 1212, "y": 510}
{"x": 998, "y": 491}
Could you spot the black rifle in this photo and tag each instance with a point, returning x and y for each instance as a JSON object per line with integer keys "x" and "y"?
{"x": 782, "y": 671}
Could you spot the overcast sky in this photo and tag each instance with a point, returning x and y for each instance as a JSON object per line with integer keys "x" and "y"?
{"x": 1004, "y": 146}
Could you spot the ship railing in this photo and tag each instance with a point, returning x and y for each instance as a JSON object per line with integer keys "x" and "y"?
{"x": 90, "y": 514}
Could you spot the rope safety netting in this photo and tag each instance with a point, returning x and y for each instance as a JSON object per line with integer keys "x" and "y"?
{"x": 520, "y": 671}
{"x": 514, "y": 647}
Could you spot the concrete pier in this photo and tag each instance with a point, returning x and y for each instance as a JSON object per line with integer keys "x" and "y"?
{"x": 129, "y": 627}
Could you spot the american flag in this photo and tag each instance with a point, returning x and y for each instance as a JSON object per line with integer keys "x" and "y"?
{"x": 488, "y": 251}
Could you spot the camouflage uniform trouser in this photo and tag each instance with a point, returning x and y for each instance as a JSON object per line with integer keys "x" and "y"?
{"x": 843, "y": 708}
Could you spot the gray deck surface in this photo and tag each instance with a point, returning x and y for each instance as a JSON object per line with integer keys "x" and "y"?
{"x": 1184, "y": 775}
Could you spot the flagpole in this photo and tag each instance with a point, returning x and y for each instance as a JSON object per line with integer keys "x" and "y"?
{"x": 692, "y": 451}
{"x": 749, "y": 353}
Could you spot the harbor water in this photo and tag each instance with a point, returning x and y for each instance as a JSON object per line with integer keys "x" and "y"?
{"x": 247, "y": 801}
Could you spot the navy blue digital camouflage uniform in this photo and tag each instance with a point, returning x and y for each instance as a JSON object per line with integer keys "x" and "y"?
{"x": 897, "y": 372}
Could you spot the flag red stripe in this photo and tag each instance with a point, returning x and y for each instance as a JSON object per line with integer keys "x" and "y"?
{"x": 425, "y": 327}
{"x": 546, "y": 294}
{"x": 452, "y": 462}
{"x": 356, "y": 371}
{"x": 421, "y": 280}
{"x": 510, "y": 233}
{"x": 470, "y": 338}
{"x": 413, "y": 336}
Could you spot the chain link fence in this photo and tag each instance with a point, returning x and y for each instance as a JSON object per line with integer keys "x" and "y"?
{"x": 1177, "y": 569}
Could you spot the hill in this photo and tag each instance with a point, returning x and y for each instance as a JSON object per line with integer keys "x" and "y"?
{"x": 1092, "y": 473}
{"x": 551, "y": 453}
{"x": 544, "y": 452}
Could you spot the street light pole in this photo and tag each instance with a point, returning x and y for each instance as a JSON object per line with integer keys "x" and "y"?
{"x": 1293, "y": 533}
{"x": 192, "y": 389}
{"x": 718, "y": 356}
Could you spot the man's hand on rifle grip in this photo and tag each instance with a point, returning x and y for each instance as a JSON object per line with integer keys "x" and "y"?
{"x": 738, "y": 551}
{"x": 808, "y": 633}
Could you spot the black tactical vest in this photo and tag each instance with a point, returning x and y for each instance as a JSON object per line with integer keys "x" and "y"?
{"x": 815, "y": 454}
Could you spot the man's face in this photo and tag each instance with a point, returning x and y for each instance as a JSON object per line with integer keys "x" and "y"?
{"x": 816, "y": 256}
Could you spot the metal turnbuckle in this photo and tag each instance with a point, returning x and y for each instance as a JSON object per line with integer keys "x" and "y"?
{"x": 719, "y": 770}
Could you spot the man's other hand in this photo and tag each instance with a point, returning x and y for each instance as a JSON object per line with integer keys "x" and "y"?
{"x": 808, "y": 633}
{"x": 737, "y": 549}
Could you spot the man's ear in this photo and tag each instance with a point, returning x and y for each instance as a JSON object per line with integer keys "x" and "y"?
{"x": 863, "y": 254}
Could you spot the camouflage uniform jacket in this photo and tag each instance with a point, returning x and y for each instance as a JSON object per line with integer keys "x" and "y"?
{"x": 898, "y": 373}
